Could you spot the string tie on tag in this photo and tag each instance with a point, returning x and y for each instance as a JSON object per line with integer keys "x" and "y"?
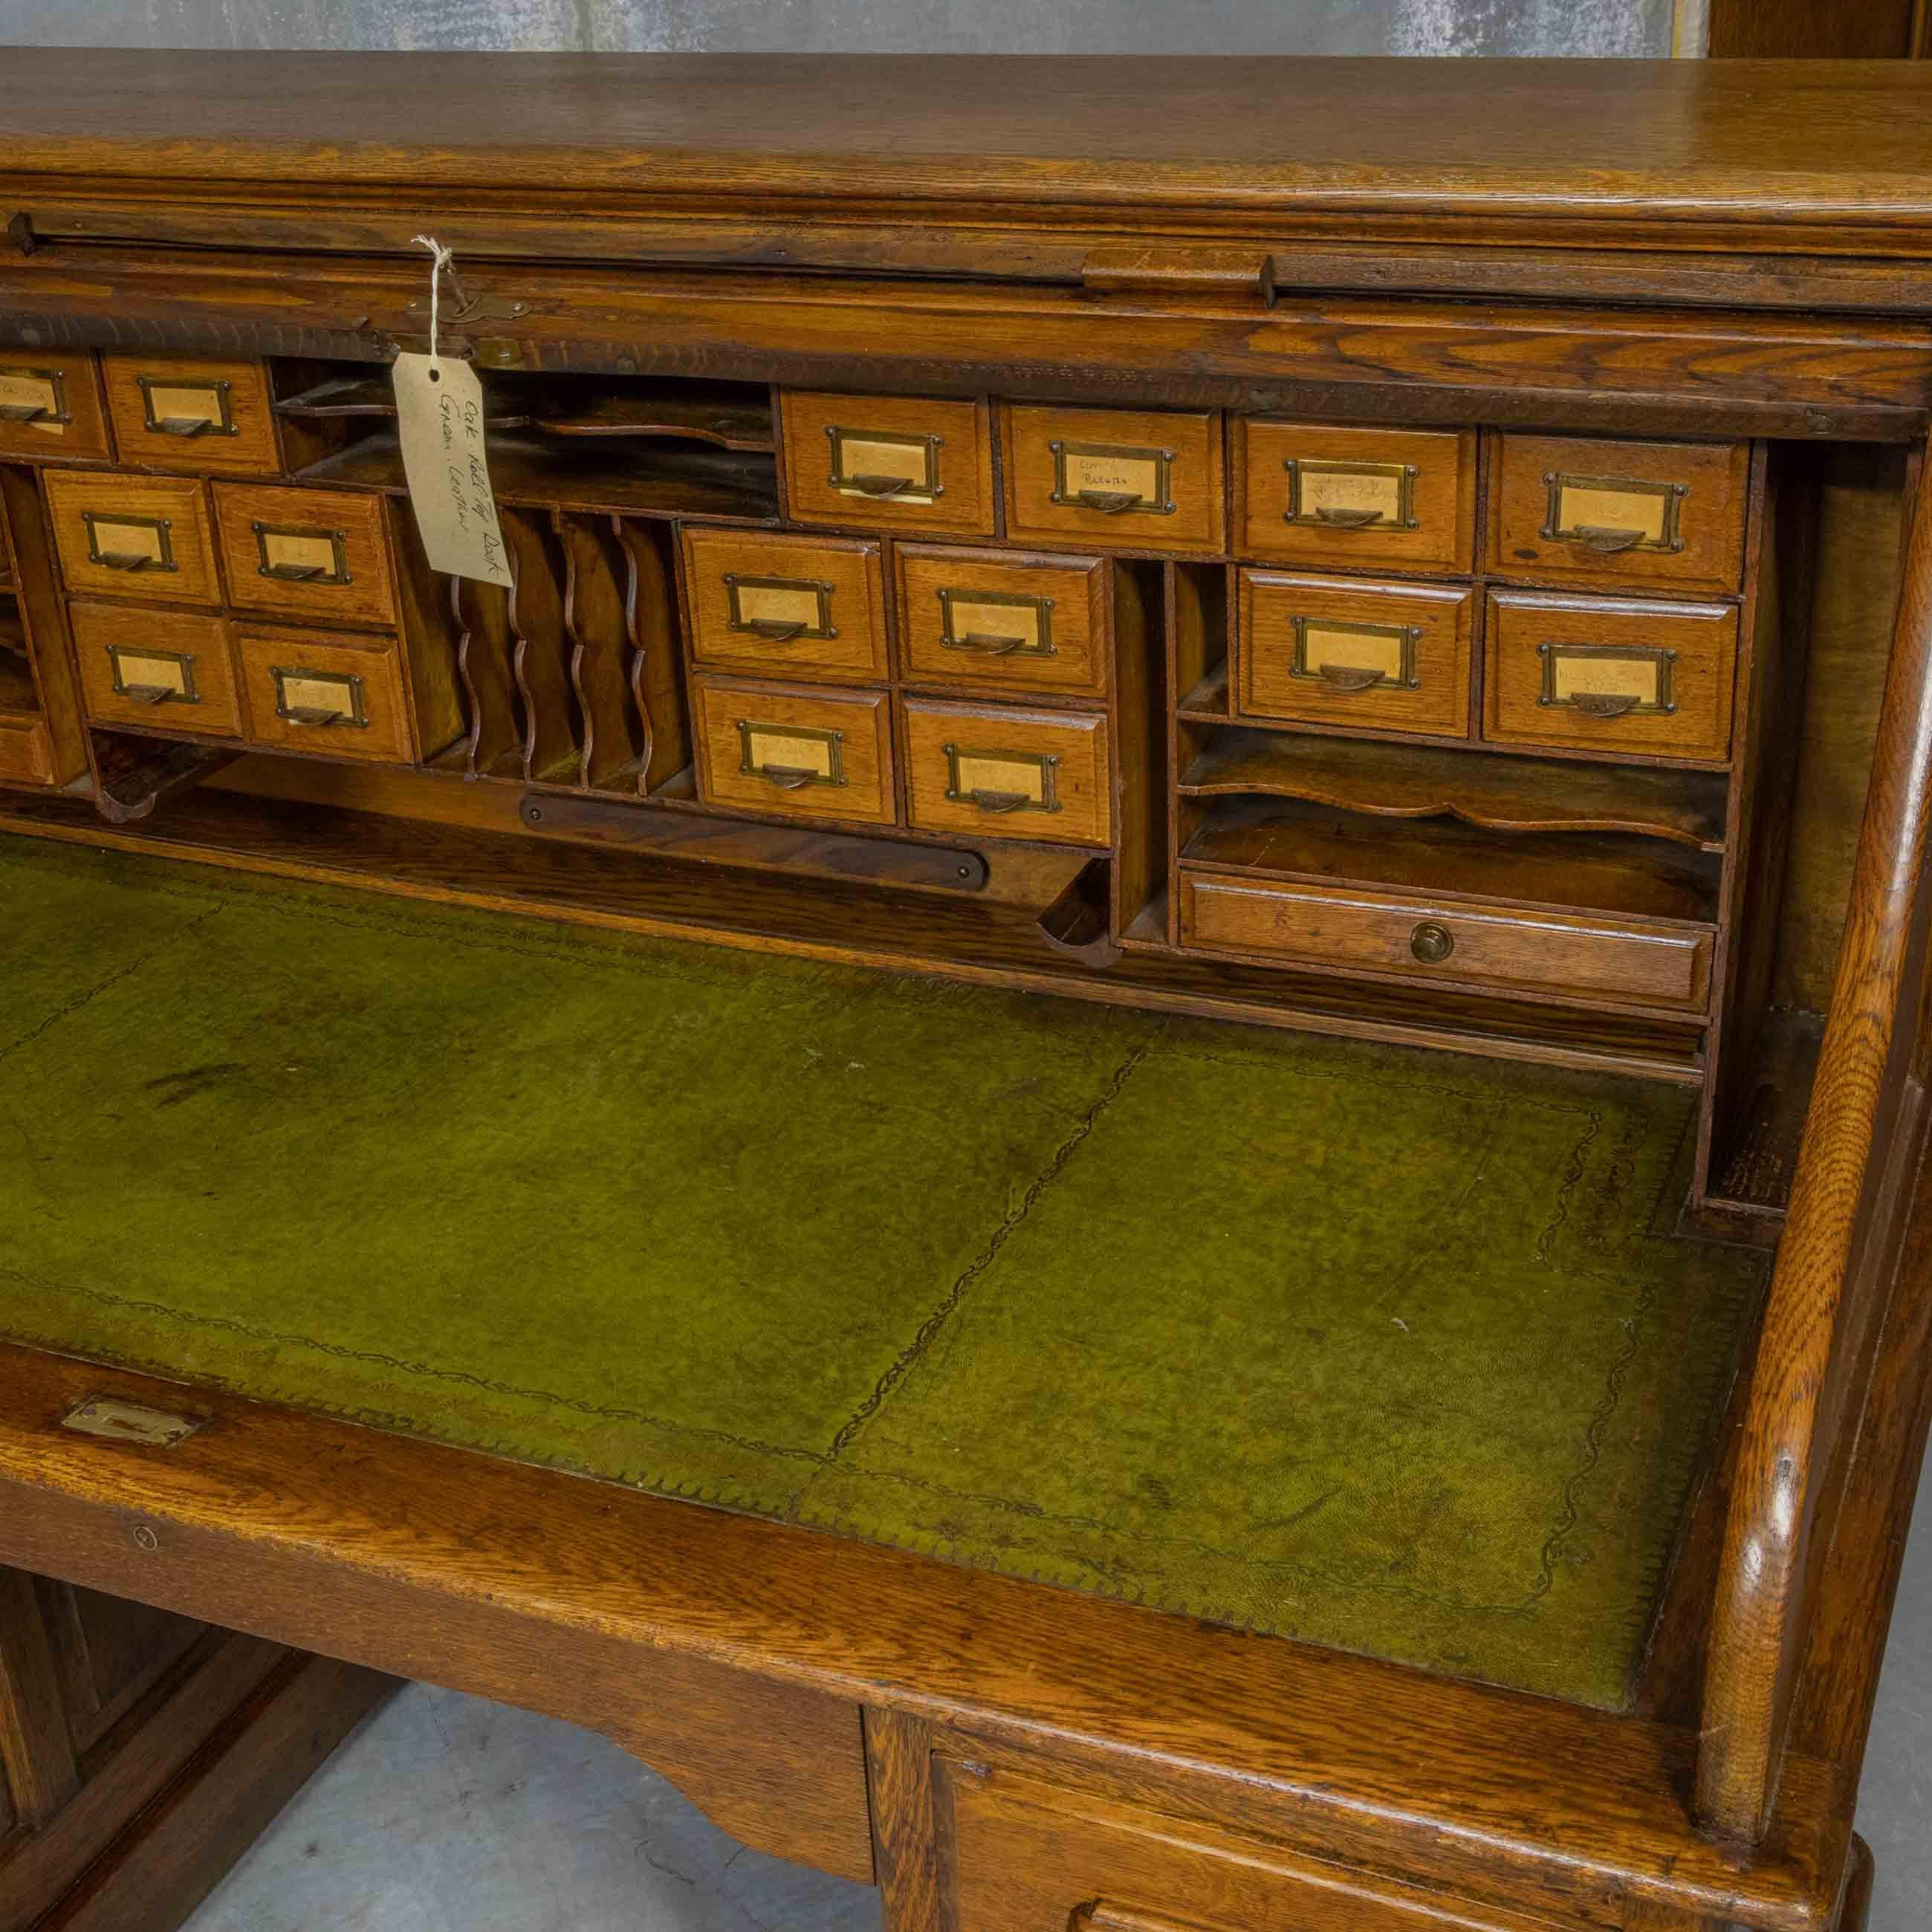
{"x": 441, "y": 259}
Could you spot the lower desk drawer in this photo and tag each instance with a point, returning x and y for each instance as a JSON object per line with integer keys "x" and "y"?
{"x": 1575, "y": 956}
{"x": 26, "y": 751}
{"x": 1029, "y": 1858}
{"x": 325, "y": 691}
{"x": 796, "y": 754}
{"x": 996, "y": 770}
{"x": 165, "y": 671}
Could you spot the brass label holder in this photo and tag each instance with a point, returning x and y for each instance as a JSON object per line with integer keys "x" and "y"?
{"x": 986, "y": 643}
{"x": 1353, "y": 677}
{"x": 962, "y": 762}
{"x": 1608, "y": 539}
{"x": 120, "y": 656}
{"x": 219, "y": 393}
{"x": 162, "y": 559}
{"x": 753, "y": 762}
{"x": 1304, "y": 474}
{"x": 288, "y": 571}
{"x": 1156, "y": 500}
{"x": 51, "y": 414}
{"x": 920, "y": 485}
{"x": 1609, "y": 703}
{"x": 351, "y": 713}
{"x": 775, "y": 630}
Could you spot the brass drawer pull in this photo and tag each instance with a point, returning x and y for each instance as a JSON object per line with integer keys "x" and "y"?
{"x": 186, "y": 425}
{"x": 869, "y": 462}
{"x": 299, "y": 553}
{"x": 1336, "y": 495}
{"x": 999, "y": 801}
{"x": 1113, "y": 477}
{"x": 150, "y": 694}
{"x": 773, "y": 632}
{"x": 167, "y": 400}
{"x": 987, "y": 645}
{"x": 762, "y": 606}
{"x": 24, "y": 413}
{"x": 1606, "y": 542}
{"x": 1109, "y": 502}
{"x": 965, "y": 616}
{"x": 157, "y": 677}
{"x": 881, "y": 486}
{"x": 315, "y": 716}
{"x": 788, "y": 778}
{"x": 1605, "y": 704}
{"x": 1347, "y": 520}
{"x": 1351, "y": 677}
{"x": 1431, "y": 943}
{"x": 297, "y": 573}
{"x": 128, "y": 559}
{"x": 34, "y": 396}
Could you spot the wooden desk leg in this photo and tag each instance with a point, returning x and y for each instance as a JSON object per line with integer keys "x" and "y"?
{"x": 905, "y": 1822}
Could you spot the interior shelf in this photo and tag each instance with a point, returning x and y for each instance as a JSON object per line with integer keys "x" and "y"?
{"x": 728, "y": 415}
{"x": 1566, "y": 871}
{"x": 643, "y": 477}
{"x": 1488, "y": 789}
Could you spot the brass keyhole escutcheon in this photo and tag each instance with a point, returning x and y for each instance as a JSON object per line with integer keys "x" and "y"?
{"x": 1432, "y": 944}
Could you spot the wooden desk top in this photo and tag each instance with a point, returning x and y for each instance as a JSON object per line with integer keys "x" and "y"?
{"x": 1762, "y": 144}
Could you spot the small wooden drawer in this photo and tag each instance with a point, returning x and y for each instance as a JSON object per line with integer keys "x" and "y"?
{"x": 314, "y": 553}
{"x": 1611, "y": 675}
{"x": 1590, "y": 510}
{"x": 162, "y": 670}
{"x": 901, "y": 463}
{"x": 797, "y": 753}
{"x": 26, "y": 751}
{"x": 1117, "y": 479}
{"x": 1337, "y": 498}
{"x": 1005, "y": 620}
{"x": 1577, "y": 956}
{"x": 786, "y": 607}
{"x": 51, "y": 406}
{"x": 134, "y": 536}
{"x": 331, "y": 692}
{"x": 995, "y": 769}
{"x": 1376, "y": 657}
{"x": 179, "y": 412}
{"x": 1029, "y": 1858}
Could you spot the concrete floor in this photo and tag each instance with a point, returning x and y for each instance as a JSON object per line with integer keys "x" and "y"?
{"x": 447, "y": 1814}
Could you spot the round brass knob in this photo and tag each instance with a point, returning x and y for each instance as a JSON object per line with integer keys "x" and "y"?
{"x": 1432, "y": 944}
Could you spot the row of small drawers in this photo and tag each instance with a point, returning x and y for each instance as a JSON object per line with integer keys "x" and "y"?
{"x": 1566, "y": 509}
{"x": 835, "y": 755}
{"x": 171, "y": 412}
{"x": 186, "y": 672}
{"x": 288, "y": 552}
{"x": 1604, "y": 674}
{"x": 815, "y": 608}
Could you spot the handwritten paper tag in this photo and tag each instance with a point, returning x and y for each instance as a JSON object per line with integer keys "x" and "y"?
{"x": 439, "y": 421}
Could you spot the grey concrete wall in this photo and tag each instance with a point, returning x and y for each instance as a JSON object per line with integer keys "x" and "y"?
{"x": 1600, "y": 27}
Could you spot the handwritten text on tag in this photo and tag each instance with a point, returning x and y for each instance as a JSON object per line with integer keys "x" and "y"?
{"x": 439, "y": 421}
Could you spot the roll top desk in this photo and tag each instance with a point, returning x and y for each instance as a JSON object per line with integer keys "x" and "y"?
{"x": 1398, "y": 569}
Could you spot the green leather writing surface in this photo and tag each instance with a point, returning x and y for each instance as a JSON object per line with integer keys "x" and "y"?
{"x": 1379, "y": 1349}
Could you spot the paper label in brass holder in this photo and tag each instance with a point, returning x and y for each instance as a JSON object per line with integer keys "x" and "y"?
{"x": 779, "y": 608}
{"x": 1333, "y": 494}
{"x": 1610, "y": 515}
{"x": 320, "y": 698}
{"x": 878, "y": 464}
{"x": 1113, "y": 478}
{"x": 1608, "y": 680}
{"x": 118, "y": 542}
{"x": 151, "y": 676}
{"x": 1002, "y": 781}
{"x": 172, "y": 407}
{"x": 1353, "y": 657}
{"x": 294, "y": 553}
{"x": 996, "y": 623}
{"x": 35, "y": 399}
{"x": 791, "y": 756}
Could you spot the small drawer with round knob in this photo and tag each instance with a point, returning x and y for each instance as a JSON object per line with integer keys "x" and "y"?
{"x": 1569, "y": 956}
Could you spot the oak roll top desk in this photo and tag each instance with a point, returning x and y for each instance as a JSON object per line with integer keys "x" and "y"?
{"x": 1229, "y": 762}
